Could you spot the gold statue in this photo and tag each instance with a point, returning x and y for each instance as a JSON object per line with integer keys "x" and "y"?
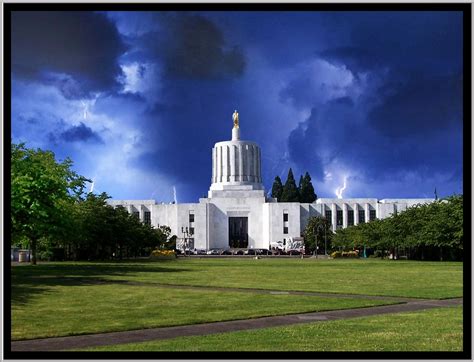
{"x": 235, "y": 117}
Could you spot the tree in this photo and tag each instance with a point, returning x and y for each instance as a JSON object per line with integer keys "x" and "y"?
{"x": 290, "y": 191}
{"x": 40, "y": 187}
{"x": 306, "y": 189}
{"x": 316, "y": 232}
{"x": 277, "y": 188}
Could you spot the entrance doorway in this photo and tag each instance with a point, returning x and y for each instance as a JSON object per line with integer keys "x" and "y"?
{"x": 238, "y": 232}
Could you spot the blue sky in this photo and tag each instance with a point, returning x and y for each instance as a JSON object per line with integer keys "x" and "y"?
{"x": 138, "y": 99}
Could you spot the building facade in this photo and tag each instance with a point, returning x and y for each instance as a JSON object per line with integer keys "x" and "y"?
{"x": 237, "y": 214}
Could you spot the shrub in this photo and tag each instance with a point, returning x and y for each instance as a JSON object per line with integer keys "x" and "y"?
{"x": 345, "y": 254}
{"x": 162, "y": 253}
{"x": 350, "y": 254}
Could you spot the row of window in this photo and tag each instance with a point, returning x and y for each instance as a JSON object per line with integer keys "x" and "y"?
{"x": 147, "y": 216}
{"x": 350, "y": 216}
{"x": 339, "y": 218}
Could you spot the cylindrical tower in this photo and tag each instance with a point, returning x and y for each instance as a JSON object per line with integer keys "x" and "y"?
{"x": 236, "y": 163}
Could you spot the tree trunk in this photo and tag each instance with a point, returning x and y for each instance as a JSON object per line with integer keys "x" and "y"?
{"x": 33, "y": 251}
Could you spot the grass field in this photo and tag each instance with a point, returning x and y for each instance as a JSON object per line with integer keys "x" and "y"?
{"x": 369, "y": 276}
{"x": 57, "y": 299}
{"x": 77, "y": 309}
{"x": 430, "y": 330}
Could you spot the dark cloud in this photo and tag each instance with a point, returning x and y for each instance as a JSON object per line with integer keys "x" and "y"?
{"x": 183, "y": 130}
{"x": 65, "y": 48}
{"x": 80, "y": 133}
{"x": 356, "y": 59}
{"x": 339, "y": 131}
{"x": 384, "y": 90}
{"x": 420, "y": 106}
{"x": 191, "y": 46}
{"x": 303, "y": 150}
{"x": 421, "y": 40}
{"x": 409, "y": 116}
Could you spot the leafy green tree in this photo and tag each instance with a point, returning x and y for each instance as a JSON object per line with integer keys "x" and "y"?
{"x": 40, "y": 188}
{"x": 306, "y": 189}
{"x": 316, "y": 232}
{"x": 424, "y": 231}
{"x": 290, "y": 191}
{"x": 277, "y": 188}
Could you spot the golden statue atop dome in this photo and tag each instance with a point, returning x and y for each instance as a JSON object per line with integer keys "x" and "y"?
{"x": 235, "y": 117}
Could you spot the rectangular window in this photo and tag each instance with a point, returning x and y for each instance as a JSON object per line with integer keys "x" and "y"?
{"x": 350, "y": 217}
{"x": 328, "y": 215}
{"x": 147, "y": 217}
{"x": 191, "y": 231}
{"x": 372, "y": 215}
{"x": 285, "y": 217}
{"x": 136, "y": 214}
{"x": 285, "y": 229}
{"x": 339, "y": 217}
{"x": 191, "y": 217}
{"x": 361, "y": 216}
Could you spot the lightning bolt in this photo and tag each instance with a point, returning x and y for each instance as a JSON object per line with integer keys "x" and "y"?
{"x": 85, "y": 109}
{"x": 174, "y": 195}
{"x": 339, "y": 190}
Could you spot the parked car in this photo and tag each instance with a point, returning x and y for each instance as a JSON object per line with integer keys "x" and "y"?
{"x": 213, "y": 252}
{"x": 252, "y": 252}
{"x": 226, "y": 252}
{"x": 294, "y": 252}
{"x": 199, "y": 252}
{"x": 265, "y": 252}
{"x": 239, "y": 252}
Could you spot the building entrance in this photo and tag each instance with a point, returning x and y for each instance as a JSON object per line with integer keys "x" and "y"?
{"x": 238, "y": 232}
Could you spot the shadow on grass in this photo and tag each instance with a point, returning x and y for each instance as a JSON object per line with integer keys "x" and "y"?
{"x": 28, "y": 280}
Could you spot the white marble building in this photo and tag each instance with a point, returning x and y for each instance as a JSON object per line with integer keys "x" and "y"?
{"x": 237, "y": 213}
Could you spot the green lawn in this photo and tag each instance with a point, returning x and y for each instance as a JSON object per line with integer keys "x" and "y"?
{"x": 56, "y": 299}
{"x": 78, "y": 308}
{"x": 369, "y": 276}
{"x": 431, "y": 330}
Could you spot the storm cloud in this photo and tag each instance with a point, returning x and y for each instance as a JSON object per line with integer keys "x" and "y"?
{"x": 376, "y": 96}
{"x": 80, "y": 133}
{"x": 78, "y": 50}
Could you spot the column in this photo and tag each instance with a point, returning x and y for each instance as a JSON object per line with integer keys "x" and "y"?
{"x": 219, "y": 164}
{"x": 344, "y": 215}
{"x": 244, "y": 163}
{"x": 259, "y": 170}
{"x": 232, "y": 163}
{"x": 225, "y": 163}
{"x": 241, "y": 164}
{"x": 228, "y": 163}
{"x": 333, "y": 216}
{"x": 214, "y": 177}
{"x": 248, "y": 160}
{"x": 255, "y": 164}
{"x": 251, "y": 164}
{"x": 367, "y": 212}
{"x": 356, "y": 214}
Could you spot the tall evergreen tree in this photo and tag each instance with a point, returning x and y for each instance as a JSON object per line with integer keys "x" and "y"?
{"x": 290, "y": 191}
{"x": 277, "y": 188}
{"x": 306, "y": 189}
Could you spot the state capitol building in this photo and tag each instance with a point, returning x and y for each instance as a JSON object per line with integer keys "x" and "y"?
{"x": 236, "y": 212}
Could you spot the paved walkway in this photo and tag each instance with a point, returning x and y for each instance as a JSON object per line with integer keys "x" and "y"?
{"x": 143, "y": 335}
